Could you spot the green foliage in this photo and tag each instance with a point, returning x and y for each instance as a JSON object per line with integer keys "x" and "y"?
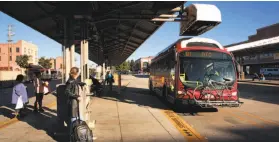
{"x": 45, "y": 62}
{"x": 22, "y": 61}
{"x": 125, "y": 66}
{"x": 132, "y": 64}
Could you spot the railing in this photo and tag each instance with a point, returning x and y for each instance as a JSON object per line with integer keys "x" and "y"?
{"x": 6, "y": 84}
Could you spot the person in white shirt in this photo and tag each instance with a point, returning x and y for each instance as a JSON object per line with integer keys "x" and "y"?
{"x": 38, "y": 92}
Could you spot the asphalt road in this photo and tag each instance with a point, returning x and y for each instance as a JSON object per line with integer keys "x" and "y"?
{"x": 257, "y": 120}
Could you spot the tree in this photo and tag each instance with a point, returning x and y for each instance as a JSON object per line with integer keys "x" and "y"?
{"x": 45, "y": 62}
{"x": 22, "y": 61}
{"x": 132, "y": 64}
{"x": 123, "y": 67}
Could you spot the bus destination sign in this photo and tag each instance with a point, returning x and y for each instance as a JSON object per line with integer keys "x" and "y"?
{"x": 205, "y": 54}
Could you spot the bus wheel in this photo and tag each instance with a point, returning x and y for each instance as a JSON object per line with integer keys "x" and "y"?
{"x": 176, "y": 106}
{"x": 151, "y": 92}
{"x": 164, "y": 95}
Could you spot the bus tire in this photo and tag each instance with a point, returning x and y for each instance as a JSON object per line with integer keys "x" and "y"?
{"x": 164, "y": 95}
{"x": 176, "y": 106}
{"x": 151, "y": 91}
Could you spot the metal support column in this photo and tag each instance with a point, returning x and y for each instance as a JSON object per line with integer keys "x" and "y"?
{"x": 81, "y": 60}
{"x": 104, "y": 71}
{"x": 65, "y": 50}
{"x": 72, "y": 54}
{"x": 67, "y": 63}
{"x": 71, "y": 42}
{"x": 63, "y": 64}
{"x": 86, "y": 54}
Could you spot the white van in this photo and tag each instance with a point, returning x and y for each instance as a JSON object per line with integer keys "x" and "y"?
{"x": 269, "y": 71}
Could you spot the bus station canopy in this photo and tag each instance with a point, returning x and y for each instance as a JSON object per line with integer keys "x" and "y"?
{"x": 250, "y": 48}
{"x": 115, "y": 29}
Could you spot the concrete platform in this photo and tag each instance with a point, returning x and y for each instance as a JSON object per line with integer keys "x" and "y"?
{"x": 132, "y": 116}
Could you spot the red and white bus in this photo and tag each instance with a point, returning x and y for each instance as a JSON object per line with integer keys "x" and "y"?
{"x": 195, "y": 72}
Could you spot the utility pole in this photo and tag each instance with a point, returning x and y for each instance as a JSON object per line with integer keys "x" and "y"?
{"x": 10, "y": 34}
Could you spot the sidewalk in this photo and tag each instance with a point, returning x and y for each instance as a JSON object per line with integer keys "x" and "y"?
{"x": 33, "y": 127}
{"x": 269, "y": 82}
{"x": 132, "y": 116}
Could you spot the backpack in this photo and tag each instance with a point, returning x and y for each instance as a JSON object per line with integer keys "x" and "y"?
{"x": 81, "y": 132}
{"x": 110, "y": 76}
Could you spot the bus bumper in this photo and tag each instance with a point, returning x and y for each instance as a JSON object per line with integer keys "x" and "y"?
{"x": 210, "y": 104}
{"x": 206, "y": 104}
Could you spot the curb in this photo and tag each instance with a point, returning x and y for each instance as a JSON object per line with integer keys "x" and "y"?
{"x": 258, "y": 82}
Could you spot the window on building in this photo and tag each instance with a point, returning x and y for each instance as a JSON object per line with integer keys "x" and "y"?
{"x": 0, "y": 58}
{"x": 0, "y": 50}
{"x": 17, "y": 50}
{"x": 11, "y": 50}
{"x": 11, "y": 58}
{"x": 17, "y": 57}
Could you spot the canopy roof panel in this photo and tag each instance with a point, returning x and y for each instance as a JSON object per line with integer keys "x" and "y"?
{"x": 115, "y": 29}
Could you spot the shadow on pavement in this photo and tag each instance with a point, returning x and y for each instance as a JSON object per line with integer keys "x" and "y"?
{"x": 250, "y": 134}
{"x": 268, "y": 94}
{"x": 143, "y": 98}
{"x": 46, "y": 121}
{"x": 141, "y": 76}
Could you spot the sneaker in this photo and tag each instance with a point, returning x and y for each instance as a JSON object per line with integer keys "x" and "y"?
{"x": 35, "y": 110}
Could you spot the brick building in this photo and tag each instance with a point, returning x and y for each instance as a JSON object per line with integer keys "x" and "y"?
{"x": 57, "y": 63}
{"x": 264, "y": 57}
{"x": 21, "y": 47}
{"x": 142, "y": 63}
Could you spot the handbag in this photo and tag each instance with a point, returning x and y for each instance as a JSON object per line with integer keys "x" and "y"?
{"x": 19, "y": 104}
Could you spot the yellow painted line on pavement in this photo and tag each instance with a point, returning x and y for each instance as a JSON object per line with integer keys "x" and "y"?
{"x": 189, "y": 133}
{"x": 14, "y": 120}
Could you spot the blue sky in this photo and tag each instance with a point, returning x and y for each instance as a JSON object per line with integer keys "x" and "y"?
{"x": 239, "y": 20}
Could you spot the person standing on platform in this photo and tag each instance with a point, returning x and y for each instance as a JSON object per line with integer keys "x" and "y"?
{"x": 73, "y": 93}
{"x": 38, "y": 92}
{"x": 19, "y": 96}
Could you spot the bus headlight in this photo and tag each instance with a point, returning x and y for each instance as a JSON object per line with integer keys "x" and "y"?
{"x": 234, "y": 93}
{"x": 181, "y": 92}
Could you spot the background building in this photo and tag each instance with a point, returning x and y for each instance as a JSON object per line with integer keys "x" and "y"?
{"x": 142, "y": 63}
{"x": 263, "y": 57}
{"x": 16, "y": 49}
{"x": 56, "y": 63}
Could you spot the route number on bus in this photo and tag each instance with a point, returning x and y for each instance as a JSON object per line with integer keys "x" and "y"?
{"x": 188, "y": 54}
{"x": 206, "y": 54}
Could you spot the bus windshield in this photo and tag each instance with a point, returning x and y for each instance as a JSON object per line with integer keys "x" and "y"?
{"x": 195, "y": 66}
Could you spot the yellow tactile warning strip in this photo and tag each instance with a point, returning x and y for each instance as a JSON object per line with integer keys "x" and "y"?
{"x": 14, "y": 120}
{"x": 185, "y": 129}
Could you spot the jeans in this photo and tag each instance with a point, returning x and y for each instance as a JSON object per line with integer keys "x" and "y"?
{"x": 39, "y": 100}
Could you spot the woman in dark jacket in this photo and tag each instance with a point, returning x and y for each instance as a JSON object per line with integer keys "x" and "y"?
{"x": 72, "y": 91}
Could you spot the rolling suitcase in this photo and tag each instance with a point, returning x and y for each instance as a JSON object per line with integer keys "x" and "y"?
{"x": 80, "y": 131}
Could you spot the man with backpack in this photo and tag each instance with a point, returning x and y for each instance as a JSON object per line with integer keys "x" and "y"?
{"x": 109, "y": 79}
{"x": 79, "y": 130}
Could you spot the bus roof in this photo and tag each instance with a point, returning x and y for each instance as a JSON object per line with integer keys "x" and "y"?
{"x": 185, "y": 41}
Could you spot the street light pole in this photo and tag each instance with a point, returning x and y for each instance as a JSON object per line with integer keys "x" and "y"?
{"x": 10, "y": 34}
